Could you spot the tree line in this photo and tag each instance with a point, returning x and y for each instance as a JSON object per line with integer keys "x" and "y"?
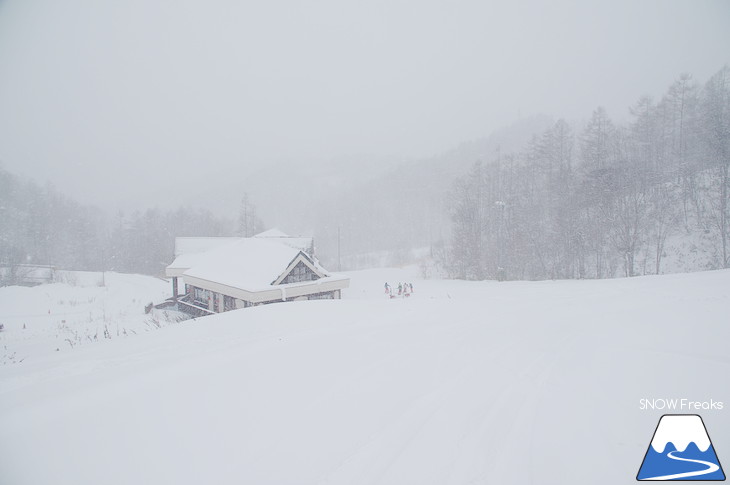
{"x": 603, "y": 200}
{"x": 596, "y": 200}
{"x": 41, "y": 226}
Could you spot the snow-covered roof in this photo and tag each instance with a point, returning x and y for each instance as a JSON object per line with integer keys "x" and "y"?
{"x": 194, "y": 251}
{"x": 302, "y": 243}
{"x": 249, "y": 264}
{"x": 272, "y": 233}
{"x": 191, "y": 251}
{"x": 184, "y": 262}
{"x": 250, "y": 268}
{"x": 188, "y": 245}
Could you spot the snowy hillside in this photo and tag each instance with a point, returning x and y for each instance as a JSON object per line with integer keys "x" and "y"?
{"x": 519, "y": 382}
{"x": 83, "y": 307}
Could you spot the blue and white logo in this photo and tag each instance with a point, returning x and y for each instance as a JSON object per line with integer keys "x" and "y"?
{"x": 681, "y": 450}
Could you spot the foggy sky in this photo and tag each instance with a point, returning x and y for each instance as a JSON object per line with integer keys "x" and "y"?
{"x": 127, "y": 104}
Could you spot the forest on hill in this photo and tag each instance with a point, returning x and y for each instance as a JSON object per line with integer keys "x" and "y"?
{"x": 574, "y": 200}
{"x": 604, "y": 201}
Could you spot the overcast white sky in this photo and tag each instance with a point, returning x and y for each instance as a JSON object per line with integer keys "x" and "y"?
{"x": 117, "y": 101}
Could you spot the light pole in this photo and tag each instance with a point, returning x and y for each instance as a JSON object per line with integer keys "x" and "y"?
{"x": 339, "y": 264}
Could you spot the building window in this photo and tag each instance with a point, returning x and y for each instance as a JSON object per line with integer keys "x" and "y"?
{"x": 299, "y": 273}
{"x": 201, "y": 296}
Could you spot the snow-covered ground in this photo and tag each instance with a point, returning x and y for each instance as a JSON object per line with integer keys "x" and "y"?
{"x": 463, "y": 382}
{"x": 83, "y": 307}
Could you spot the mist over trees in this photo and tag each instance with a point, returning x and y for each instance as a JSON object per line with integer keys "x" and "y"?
{"x": 398, "y": 216}
{"x": 597, "y": 199}
{"x": 601, "y": 200}
{"x": 249, "y": 223}
{"x": 41, "y": 226}
{"x": 144, "y": 242}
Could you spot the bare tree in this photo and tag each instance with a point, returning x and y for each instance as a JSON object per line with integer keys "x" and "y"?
{"x": 716, "y": 131}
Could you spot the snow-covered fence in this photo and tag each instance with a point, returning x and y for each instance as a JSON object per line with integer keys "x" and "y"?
{"x": 26, "y": 274}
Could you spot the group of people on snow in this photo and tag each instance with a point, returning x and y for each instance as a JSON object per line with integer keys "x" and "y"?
{"x": 404, "y": 289}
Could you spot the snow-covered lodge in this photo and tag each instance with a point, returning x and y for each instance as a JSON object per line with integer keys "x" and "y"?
{"x": 223, "y": 273}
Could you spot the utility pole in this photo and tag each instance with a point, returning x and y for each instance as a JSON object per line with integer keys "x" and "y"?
{"x": 500, "y": 240}
{"x": 103, "y": 266}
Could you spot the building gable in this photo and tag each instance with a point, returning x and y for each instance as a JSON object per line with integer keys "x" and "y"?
{"x": 301, "y": 268}
{"x": 300, "y": 272}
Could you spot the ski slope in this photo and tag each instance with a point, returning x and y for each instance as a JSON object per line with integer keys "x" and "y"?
{"x": 484, "y": 382}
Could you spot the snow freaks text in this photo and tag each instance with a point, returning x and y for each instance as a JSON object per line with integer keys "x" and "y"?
{"x": 679, "y": 404}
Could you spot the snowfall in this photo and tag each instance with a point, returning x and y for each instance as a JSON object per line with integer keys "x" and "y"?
{"x": 460, "y": 383}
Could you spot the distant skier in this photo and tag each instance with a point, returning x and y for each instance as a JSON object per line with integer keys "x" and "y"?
{"x": 411, "y": 285}
{"x": 387, "y": 288}
{"x": 400, "y": 288}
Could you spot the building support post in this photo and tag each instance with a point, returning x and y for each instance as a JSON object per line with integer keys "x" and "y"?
{"x": 174, "y": 289}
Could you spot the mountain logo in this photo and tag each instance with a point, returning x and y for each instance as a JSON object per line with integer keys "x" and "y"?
{"x": 681, "y": 450}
